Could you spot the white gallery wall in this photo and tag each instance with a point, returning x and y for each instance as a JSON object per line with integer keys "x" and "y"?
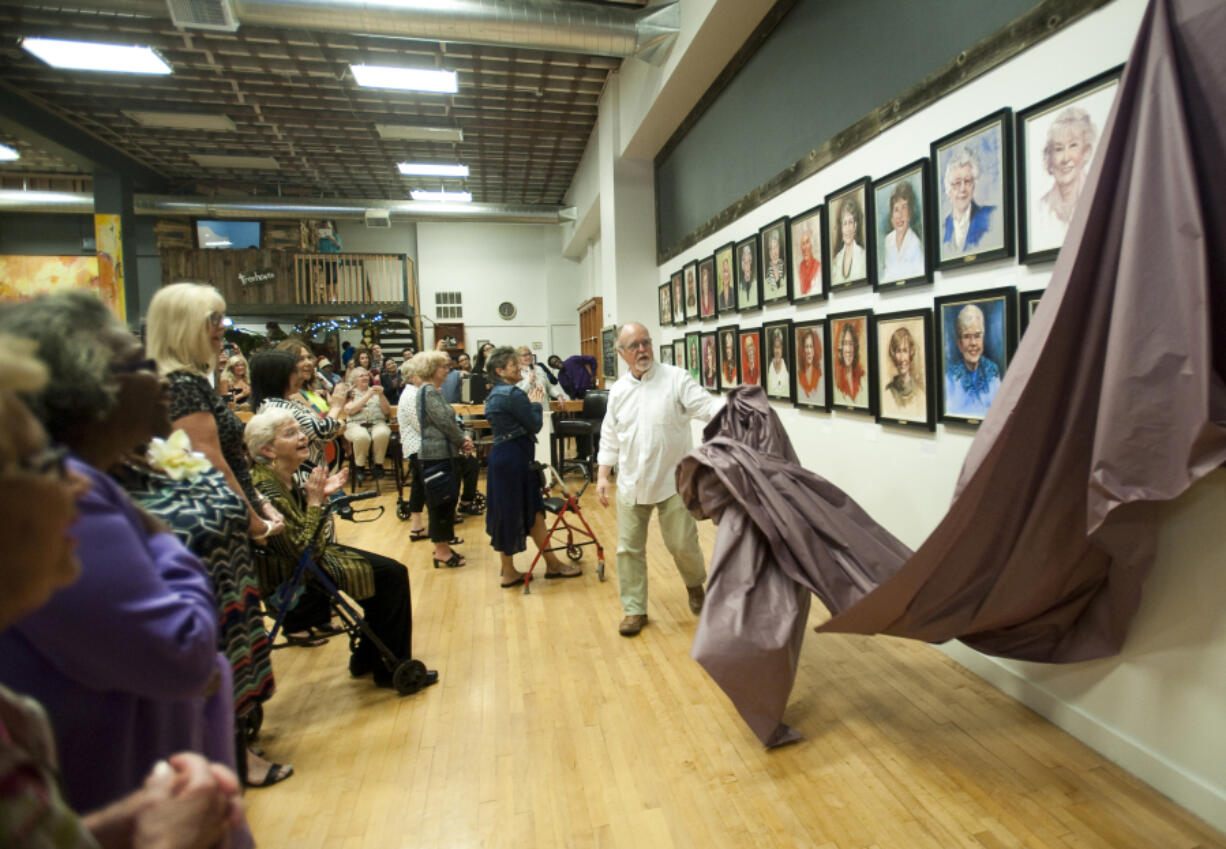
{"x": 1157, "y": 708}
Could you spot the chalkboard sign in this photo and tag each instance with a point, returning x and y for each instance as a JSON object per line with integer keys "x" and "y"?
{"x": 608, "y": 348}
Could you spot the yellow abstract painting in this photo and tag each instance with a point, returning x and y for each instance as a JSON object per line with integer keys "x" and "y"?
{"x": 24, "y": 277}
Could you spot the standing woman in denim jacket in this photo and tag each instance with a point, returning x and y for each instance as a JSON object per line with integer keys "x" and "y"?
{"x": 515, "y": 509}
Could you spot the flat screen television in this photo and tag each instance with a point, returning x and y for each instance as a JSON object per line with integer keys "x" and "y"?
{"x": 227, "y": 235}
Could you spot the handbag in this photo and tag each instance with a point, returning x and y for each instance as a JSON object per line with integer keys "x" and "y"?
{"x": 438, "y": 477}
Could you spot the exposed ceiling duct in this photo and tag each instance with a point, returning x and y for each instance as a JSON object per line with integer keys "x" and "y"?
{"x": 213, "y": 207}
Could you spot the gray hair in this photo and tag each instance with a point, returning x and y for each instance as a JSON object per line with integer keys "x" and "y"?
{"x": 1072, "y": 119}
{"x": 964, "y": 155}
{"x": 262, "y": 430}
{"x": 68, "y": 333}
{"x": 967, "y": 316}
{"x": 497, "y": 360}
{"x": 426, "y": 363}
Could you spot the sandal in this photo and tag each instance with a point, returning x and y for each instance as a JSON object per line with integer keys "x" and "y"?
{"x": 304, "y": 639}
{"x": 276, "y": 774}
{"x": 451, "y": 562}
{"x": 561, "y": 574}
{"x": 417, "y": 536}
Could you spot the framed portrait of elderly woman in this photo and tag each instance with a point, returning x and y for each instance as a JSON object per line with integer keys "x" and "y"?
{"x": 750, "y": 346}
{"x": 900, "y": 227}
{"x": 708, "y": 346}
{"x": 848, "y": 248}
{"x": 1027, "y": 303}
{"x": 809, "y": 344}
{"x": 1057, "y": 140}
{"x": 666, "y": 354}
{"x": 690, "y": 272}
{"x": 678, "y": 286}
{"x": 806, "y": 238}
{"x": 729, "y": 357}
{"x": 748, "y": 275}
{"x": 666, "y": 304}
{"x": 779, "y": 362}
{"x": 972, "y": 167}
{"x": 693, "y": 356}
{"x": 706, "y": 288}
{"x": 851, "y": 342}
{"x": 903, "y": 356}
{"x": 976, "y": 339}
{"x": 776, "y": 273}
{"x": 679, "y": 353}
{"x": 725, "y": 280}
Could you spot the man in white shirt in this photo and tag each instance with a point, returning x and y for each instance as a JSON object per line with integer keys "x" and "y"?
{"x": 646, "y": 432}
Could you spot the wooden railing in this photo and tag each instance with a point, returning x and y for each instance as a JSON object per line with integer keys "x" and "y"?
{"x": 349, "y": 278}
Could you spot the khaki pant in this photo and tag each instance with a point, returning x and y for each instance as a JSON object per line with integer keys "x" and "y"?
{"x": 680, "y": 534}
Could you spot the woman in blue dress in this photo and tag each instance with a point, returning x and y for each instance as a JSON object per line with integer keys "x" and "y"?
{"x": 515, "y": 509}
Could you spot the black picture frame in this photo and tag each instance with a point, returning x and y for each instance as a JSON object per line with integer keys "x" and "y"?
{"x": 962, "y": 401}
{"x": 902, "y": 351}
{"x": 679, "y": 352}
{"x": 666, "y": 353}
{"x": 748, "y": 275}
{"x": 811, "y": 385}
{"x": 911, "y": 264}
{"x": 608, "y": 351}
{"x": 856, "y": 200}
{"x": 689, "y": 272}
{"x": 708, "y": 345}
{"x": 778, "y": 388}
{"x": 984, "y": 147}
{"x": 666, "y": 304}
{"x": 851, "y": 384}
{"x": 1027, "y": 303}
{"x": 725, "y": 280}
{"x": 749, "y": 347}
{"x": 706, "y": 288}
{"x": 678, "y": 298}
{"x": 776, "y": 272}
{"x": 729, "y": 351}
{"x": 1042, "y": 222}
{"x": 693, "y": 362}
{"x": 811, "y": 274}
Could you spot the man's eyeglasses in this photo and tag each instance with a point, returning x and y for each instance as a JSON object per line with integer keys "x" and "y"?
{"x": 638, "y": 344}
{"x": 50, "y": 460}
{"x": 135, "y": 366}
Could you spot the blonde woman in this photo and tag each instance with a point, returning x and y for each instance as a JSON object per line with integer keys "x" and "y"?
{"x": 234, "y": 381}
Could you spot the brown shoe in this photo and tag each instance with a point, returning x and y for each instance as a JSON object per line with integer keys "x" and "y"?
{"x": 631, "y": 625}
{"x": 697, "y": 596}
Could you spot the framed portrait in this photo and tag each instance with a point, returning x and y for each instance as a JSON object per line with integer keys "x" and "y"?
{"x": 972, "y": 168}
{"x": 729, "y": 356}
{"x": 666, "y": 304}
{"x": 678, "y": 298}
{"x": 848, "y": 248}
{"x": 693, "y": 361}
{"x": 903, "y": 356}
{"x": 725, "y": 280}
{"x": 776, "y": 272}
{"x": 690, "y": 272}
{"x": 806, "y": 235}
{"x": 976, "y": 342}
{"x": 666, "y": 354}
{"x": 1057, "y": 140}
{"x": 779, "y": 360}
{"x": 679, "y": 353}
{"x": 706, "y": 288}
{"x": 901, "y": 226}
{"x": 1027, "y": 303}
{"x": 750, "y": 348}
{"x": 708, "y": 346}
{"x": 853, "y": 369}
{"x": 748, "y": 276}
{"x": 809, "y": 344}
{"x": 608, "y": 351}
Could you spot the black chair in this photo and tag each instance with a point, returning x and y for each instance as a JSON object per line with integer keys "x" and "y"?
{"x": 586, "y": 432}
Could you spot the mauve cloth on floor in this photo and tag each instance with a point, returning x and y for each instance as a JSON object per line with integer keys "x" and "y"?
{"x": 1114, "y": 403}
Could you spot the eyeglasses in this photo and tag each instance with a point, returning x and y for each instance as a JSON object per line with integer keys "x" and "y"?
{"x": 147, "y": 364}
{"x": 638, "y": 344}
{"x": 216, "y": 318}
{"x": 48, "y": 461}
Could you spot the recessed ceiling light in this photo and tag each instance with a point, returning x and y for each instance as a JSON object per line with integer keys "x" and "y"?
{"x": 216, "y": 160}
{"x": 410, "y": 79}
{"x": 182, "y": 120}
{"x": 407, "y": 132}
{"x": 8, "y": 154}
{"x": 92, "y": 56}
{"x": 454, "y": 197}
{"x": 430, "y": 169}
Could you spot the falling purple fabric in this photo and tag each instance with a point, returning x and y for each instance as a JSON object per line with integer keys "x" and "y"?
{"x": 1114, "y": 403}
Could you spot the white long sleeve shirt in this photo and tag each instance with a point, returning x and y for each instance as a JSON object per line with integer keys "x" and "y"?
{"x": 646, "y": 429}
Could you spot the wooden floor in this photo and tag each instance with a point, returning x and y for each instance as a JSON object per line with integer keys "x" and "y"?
{"x": 548, "y": 729}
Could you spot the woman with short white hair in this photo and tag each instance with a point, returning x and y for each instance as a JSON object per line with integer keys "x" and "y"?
{"x": 367, "y": 427}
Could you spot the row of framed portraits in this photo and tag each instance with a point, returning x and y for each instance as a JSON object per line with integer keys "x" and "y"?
{"x": 895, "y": 366}
{"x": 894, "y": 231}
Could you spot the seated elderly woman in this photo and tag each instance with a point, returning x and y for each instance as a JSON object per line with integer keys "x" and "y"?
{"x": 367, "y": 426}
{"x": 186, "y": 802}
{"x": 125, "y": 660}
{"x": 279, "y": 447}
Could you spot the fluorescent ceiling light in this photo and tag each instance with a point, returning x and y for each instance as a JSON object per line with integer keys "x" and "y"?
{"x": 407, "y": 132}
{"x": 92, "y": 56}
{"x": 455, "y": 197}
{"x": 8, "y": 154}
{"x": 182, "y": 120}
{"x": 216, "y": 160}
{"x": 431, "y": 169}
{"x": 410, "y": 79}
